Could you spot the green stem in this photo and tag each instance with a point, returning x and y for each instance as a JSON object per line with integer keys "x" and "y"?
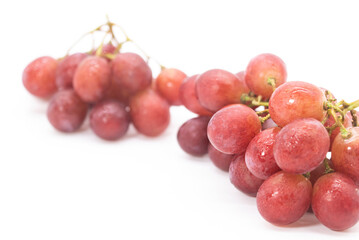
{"x": 255, "y": 101}
{"x": 328, "y": 169}
{"x": 351, "y": 106}
{"x": 263, "y": 119}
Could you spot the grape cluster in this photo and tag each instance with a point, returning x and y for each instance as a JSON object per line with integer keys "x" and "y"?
{"x": 274, "y": 137}
{"x": 290, "y": 144}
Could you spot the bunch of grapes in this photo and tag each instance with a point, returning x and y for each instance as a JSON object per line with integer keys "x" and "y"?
{"x": 275, "y": 138}
{"x": 112, "y": 87}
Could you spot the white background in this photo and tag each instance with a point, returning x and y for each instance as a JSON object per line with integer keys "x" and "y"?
{"x": 76, "y": 186}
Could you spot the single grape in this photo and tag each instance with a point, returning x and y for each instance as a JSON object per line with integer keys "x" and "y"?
{"x": 241, "y": 77}
{"x": 188, "y": 97}
{"x": 242, "y": 178}
{"x": 168, "y": 83}
{"x": 116, "y": 92}
{"x": 263, "y": 68}
{"x": 345, "y": 154}
{"x": 336, "y": 201}
{"x": 259, "y": 155}
{"x": 66, "y": 111}
{"x": 348, "y": 119}
{"x": 319, "y": 171}
{"x": 39, "y": 77}
{"x": 269, "y": 123}
{"x": 219, "y": 159}
{"x": 217, "y": 88}
{"x": 284, "y": 198}
{"x": 232, "y": 128}
{"x": 149, "y": 112}
{"x": 108, "y": 48}
{"x": 131, "y": 72}
{"x": 295, "y": 100}
{"x": 67, "y": 68}
{"x": 109, "y": 120}
{"x": 192, "y": 136}
{"x": 301, "y": 146}
{"x": 92, "y": 79}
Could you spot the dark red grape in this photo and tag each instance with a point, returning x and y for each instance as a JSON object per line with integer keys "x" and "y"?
{"x": 192, "y": 136}
{"x": 66, "y": 111}
{"x": 67, "y": 68}
{"x": 232, "y": 128}
{"x": 39, "y": 77}
{"x": 92, "y": 79}
{"x": 295, "y": 100}
{"x": 188, "y": 97}
{"x": 168, "y": 83}
{"x": 336, "y": 201}
{"x": 219, "y": 159}
{"x": 218, "y": 88}
{"x": 345, "y": 154}
{"x": 262, "y": 68}
{"x": 109, "y": 119}
{"x": 284, "y": 198}
{"x": 301, "y": 146}
{"x": 259, "y": 155}
{"x": 131, "y": 72}
{"x": 242, "y": 178}
{"x": 149, "y": 112}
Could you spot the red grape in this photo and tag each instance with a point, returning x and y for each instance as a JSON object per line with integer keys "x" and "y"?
{"x": 348, "y": 120}
{"x": 66, "y": 111}
{"x": 109, "y": 120}
{"x": 345, "y": 154}
{"x": 295, "y": 100}
{"x": 262, "y": 68}
{"x": 168, "y": 83}
{"x": 242, "y": 178}
{"x": 336, "y": 201}
{"x": 219, "y": 159}
{"x": 131, "y": 72}
{"x": 232, "y": 128}
{"x": 39, "y": 77}
{"x": 188, "y": 97}
{"x": 241, "y": 77}
{"x": 108, "y": 48}
{"x": 301, "y": 146}
{"x": 67, "y": 68}
{"x": 149, "y": 112}
{"x": 259, "y": 155}
{"x": 192, "y": 136}
{"x": 92, "y": 79}
{"x": 284, "y": 198}
{"x": 269, "y": 123}
{"x": 218, "y": 88}
{"x": 116, "y": 92}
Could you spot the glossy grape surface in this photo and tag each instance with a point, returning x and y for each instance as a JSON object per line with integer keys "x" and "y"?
{"x": 284, "y": 198}
{"x": 219, "y": 159}
{"x": 168, "y": 84}
{"x": 67, "y": 68}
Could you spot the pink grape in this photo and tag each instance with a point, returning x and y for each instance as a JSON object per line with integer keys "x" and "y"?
{"x": 242, "y": 178}
{"x": 217, "y": 88}
{"x": 301, "y": 146}
{"x": 336, "y": 201}
{"x": 39, "y": 77}
{"x": 67, "y": 68}
{"x": 262, "y": 68}
{"x": 150, "y": 113}
{"x": 284, "y": 198}
{"x": 295, "y": 100}
{"x": 269, "y": 123}
{"x": 219, "y": 159}
{"x": 192, "y": 136}
{"x": 241, "y": 77}
{"x": 232, "y": 128}
{"x": 66, "y": 111}
{"x": 259, "y": 155}
{"x": 109, "y": 120}
{"x": 188, "y": 97}
{"x": 168, "y": 84}
{"x": 92, "y": 79}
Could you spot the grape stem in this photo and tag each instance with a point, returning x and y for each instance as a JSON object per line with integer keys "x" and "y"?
{"x": 272, "y": 82}
{"x": 328, "y": 169}
{"x": 255, "y": 101}
{"x": 355, "y": 118}
{"x": 263, "y": 119}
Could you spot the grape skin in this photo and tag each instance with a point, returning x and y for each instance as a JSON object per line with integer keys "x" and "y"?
{"x": 295, "y": 100}
{"x": 219, "y": 159}
{"x": 39, "y": 77}
{"x": 67, "y": 68}
{"x": 66, "y": 111}
{"x": 232, "y": 128}
{"x": 92, "y": 79}
{"x": 149, "y": 112}
{"x": 109, "y": 120}
{"x": 336, "y": 201}
{"x": 168, "y": 83}
{"x": 301, "y": 146}
{"x": 284, "y": 198}
{"x": 192, "y": 136}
